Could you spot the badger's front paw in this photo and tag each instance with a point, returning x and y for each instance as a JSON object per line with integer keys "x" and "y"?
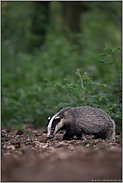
{"x": 67, "y": 136}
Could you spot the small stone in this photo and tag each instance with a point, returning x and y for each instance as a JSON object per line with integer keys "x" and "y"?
{"x": 87, "y": 145}
{"x": 17, "y": 136}
{"x": 3, "y": 133}
{"x": 4, "y": 146}
{"x": 7, "y": 139}
{"x": 16, "y": 143}
{"x": 37, "y": 134}
{"x": 28, "y": 140}
{"x": 41, "y": 145}
{"x": 11, "y": 147}
{"x": 34, "y": 132}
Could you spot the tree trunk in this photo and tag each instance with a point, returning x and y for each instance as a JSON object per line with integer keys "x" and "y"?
{"x": 72, "y": 17}
{"x": 39, "y": 25}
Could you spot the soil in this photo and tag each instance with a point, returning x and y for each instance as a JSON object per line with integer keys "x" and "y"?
{"x": 27, "y": 155}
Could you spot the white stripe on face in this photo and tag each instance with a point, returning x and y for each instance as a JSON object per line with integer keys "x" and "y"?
{"x": 50, "y": 125}
{"x": 58, "y": 127}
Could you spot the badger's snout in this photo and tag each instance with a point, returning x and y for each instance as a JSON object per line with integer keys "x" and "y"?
{"x": 50, "y": 133}
{"x": 54, "y": 125}
{"x": 50, "y": 136}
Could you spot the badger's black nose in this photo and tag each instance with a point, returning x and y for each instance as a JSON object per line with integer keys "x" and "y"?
{"x": 49, "y": 136}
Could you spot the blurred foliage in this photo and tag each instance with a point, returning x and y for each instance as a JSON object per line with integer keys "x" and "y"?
{"x": 59, "y": 73}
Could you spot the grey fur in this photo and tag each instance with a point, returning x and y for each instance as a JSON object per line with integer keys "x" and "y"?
{"x": 86, "y": 120}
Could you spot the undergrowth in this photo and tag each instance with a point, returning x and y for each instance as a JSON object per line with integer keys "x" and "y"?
{"x": 35, "y": 87}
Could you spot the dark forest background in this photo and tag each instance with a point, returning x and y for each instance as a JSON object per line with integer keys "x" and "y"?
{"x": 57, "y": 54}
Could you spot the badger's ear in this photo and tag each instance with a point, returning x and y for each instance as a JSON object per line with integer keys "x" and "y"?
{"x": 57, "y": 117}
{"x": 48, "y": 120}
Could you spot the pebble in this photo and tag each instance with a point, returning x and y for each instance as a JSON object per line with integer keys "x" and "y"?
{"x": 28, "y": 140}
{"x": 87, "y": 145}
{"x": 11, "y": 147}
{"x": 34, "y": 131}
{"x": 15, "y": 142}
{"x": 41, "y": 145}
{"x": 3, "y": 131}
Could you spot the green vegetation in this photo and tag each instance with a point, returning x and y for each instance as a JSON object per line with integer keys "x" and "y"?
{"x": 89, "y": 93}
{"x": 21, "y": 127}
{"x": 59, "y": 73}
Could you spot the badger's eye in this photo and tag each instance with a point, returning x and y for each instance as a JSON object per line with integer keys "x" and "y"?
{"x": 53, "y": 129}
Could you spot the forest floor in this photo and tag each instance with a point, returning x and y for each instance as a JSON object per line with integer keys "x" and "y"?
{"x": 29, "y": 156}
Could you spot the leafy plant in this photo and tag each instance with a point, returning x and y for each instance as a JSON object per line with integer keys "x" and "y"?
{"x": 35, "y": 86}
{"x": 105, "y": 96}
{"x": 21, "y": 127}
{"x": 119, "y": 137}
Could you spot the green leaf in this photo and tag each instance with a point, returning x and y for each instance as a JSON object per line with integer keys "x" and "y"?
{"x": 113, "y": 50}
{"x": 97, "y": 84}
{"x": 117, "y": 116}
{"x": 103, "y": 61}
{"x": 103, "y": 55}
{"x": 104, "y": 85}
{"x": 100, "y": 98}
{"x": 118, "y": 48}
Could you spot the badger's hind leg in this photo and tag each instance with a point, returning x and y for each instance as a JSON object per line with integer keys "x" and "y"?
{"x": 100, "y": 135}
{"x": 111, "y": 134}
{"x": 79, "y": 136}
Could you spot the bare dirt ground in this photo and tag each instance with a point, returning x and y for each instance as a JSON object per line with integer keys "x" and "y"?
{"x": 30, "y": 156}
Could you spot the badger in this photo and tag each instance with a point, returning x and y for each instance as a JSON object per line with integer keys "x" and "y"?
{"x": 78, "y": 120}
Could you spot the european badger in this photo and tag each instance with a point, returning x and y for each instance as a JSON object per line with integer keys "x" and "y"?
{"x": 80, "y": 120}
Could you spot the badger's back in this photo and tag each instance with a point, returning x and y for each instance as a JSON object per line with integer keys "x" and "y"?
{"x": 91, "y": 120}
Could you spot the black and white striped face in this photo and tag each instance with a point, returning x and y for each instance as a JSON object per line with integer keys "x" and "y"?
{"x": 53, "y": 126}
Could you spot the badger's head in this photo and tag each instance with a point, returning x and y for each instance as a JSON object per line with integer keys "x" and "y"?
{"x": 54, "y": 125}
